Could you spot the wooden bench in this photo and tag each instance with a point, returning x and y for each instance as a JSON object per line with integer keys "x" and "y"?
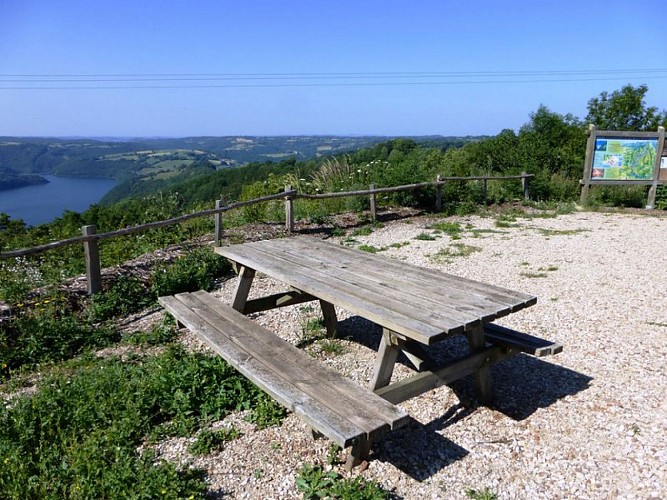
{"x": 331, "y": 404}
{"x": 520, "y": 342}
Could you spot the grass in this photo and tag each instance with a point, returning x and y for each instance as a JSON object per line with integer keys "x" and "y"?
{"x": 457, "y": 250}
{"x": 77, "y": 436}
{"x": 370, "y": 248}
{"x": 452, "y": 229}
{"x": 209, "y": 440}
{"x": 560, "y": 232}
{"x": 542, "y": 272}
{"x": 314, "y": 482}
{"x": 485, "y": 494}
{"x": 424, "y": 236}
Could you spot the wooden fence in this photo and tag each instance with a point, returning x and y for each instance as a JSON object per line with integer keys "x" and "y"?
{"x": 90, "y": 238}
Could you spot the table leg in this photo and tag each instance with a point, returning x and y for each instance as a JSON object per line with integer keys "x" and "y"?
{"x": 358, "y": 454}
{"x": 483, "y": 374}
{"x": 385, "y": 361}
{"x": 246, "y": 275}
{"x": 330, "y": 319}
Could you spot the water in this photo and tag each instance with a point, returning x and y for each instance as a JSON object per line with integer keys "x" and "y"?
{"x": 44, "y": 202}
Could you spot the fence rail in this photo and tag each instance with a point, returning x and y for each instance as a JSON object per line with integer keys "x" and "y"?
{"x": 90, "y": 238}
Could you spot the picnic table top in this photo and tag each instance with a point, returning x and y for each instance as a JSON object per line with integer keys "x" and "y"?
{"x": 423, "y": 304}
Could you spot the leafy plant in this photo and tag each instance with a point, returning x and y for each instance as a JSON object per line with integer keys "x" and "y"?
{"x": 266, "y": 412}
{"x": 314, "y": 482}
{"x": 77, "y": 436}
{"x": 194, "y": 271}
{"x": 125, "y": 296}
{"x": 46, "y": 330}
{"x": 209, "y": 440}
{"x": 424, "y": 236}
{"x": 485, "y": 494}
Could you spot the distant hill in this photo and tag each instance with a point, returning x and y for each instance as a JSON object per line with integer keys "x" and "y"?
{"x": 160, "y": 161}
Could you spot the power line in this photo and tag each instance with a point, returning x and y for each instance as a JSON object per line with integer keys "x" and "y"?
{"x": 350, "y": 79}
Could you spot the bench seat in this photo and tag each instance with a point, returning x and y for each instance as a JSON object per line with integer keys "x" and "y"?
{"x": 331, "y": 404}
{"x": 522, "y": 342}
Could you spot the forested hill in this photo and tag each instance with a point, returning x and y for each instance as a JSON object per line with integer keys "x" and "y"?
{"x": 160, "y": 161}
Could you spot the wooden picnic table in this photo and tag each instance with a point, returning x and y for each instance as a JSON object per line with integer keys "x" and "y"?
{"x": 415, "y": 306}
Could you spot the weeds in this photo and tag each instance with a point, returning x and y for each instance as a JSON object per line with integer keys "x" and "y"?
{"x": 457, "y": 250}
{"x": 314, "y": 482}
{"x": 485, "y": 494}
{"x": 77, "y": 436}
{"x": 209, "y": 441}
{"x": 196, "y": 270}
{"x": 424, "y": 236}
{"x": 452, "y": 229}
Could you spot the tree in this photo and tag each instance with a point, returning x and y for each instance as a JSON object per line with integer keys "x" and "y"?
{"x": 625, "y": 109}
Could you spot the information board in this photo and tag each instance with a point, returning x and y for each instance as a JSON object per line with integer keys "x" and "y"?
{"x": 624, "y": 159}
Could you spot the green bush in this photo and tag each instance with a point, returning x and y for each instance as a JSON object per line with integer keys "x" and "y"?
{"x": 194, "y": 271}
{"x": 45, "y": 330}
{"x": 125, "y": 296}
{"x": 314, "y": 482}
{"x": 77, "y": 436}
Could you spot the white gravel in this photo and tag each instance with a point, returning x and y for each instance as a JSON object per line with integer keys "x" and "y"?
{"x": 590, "y": 422}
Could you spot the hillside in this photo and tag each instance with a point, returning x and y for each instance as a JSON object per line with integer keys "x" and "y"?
{"x": 160, "y": 162}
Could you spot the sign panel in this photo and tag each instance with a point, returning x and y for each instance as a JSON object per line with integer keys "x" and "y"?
{"x": 621, "y": 159}
{"x": 663, "y": 169}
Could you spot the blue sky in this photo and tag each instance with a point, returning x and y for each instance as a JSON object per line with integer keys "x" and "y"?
{"x": 250, "y": 67}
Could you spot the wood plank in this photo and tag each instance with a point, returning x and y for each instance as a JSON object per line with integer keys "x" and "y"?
{"x": 486, "y": 301}
{"x": 506, "y": 337}
{"x": 289, "y": 298}
{"x": 398, "y": 286}
{"x": 385, "y": 361}
{"x": 245, "y": 279}
{"x": 277, "y": 358}
{"x": 345, "y": 389}
{"x": 426, "y": 277}
{"x": 398, "y": 316}
{"x": 425, "y": 381}
{"x": 314, "y": 413}
{"x": 483, "y": 374}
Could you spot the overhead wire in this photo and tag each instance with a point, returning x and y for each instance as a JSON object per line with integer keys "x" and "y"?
{"x": 313, "y": 79}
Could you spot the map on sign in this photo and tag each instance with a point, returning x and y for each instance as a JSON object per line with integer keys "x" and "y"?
{"x": 624, "y": 159}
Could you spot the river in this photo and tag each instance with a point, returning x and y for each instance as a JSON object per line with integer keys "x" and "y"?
{"x": 43, "y": 203}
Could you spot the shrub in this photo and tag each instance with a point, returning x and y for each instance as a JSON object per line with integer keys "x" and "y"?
{"x": 77, "y": 436}
{"x": 125, "y": 296}
{"x": 314, "y": 482}
{"x": 196, "y": 270}
{"x": 45, "y": 331}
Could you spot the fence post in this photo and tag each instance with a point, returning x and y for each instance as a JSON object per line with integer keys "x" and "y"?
{"x": 438, "y": 194}
{"x": 92, "y": 252}
{"x": 524, "y": 185}
{"x": 374, "y": 213}
{"x": 650, "y": 203}
{"x": 289, "y": 212}
{"x": 218, "y": 223}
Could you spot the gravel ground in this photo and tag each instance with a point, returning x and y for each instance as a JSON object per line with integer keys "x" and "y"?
{"x": 590, "y": 422}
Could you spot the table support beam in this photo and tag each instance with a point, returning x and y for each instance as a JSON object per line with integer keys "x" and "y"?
{"x": 289, "y": 298}
{"x": 246, "y": 276}
{"x": 358, "y": 454}
{"x": 483, "y": 374}
{"x": 420, "y": 383}
{"x": 385, "y": 361}
{"x": 330, "y": 319}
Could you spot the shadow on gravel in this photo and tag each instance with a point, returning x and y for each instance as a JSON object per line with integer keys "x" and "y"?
{"x": 419, "y": 450}
{"x": 522, "y": 384}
